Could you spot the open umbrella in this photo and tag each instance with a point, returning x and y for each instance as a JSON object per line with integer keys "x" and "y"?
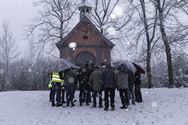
{"x": 64, "y": 64}
{"x": 139, "y": 68}
{"x": 125, "y": 65}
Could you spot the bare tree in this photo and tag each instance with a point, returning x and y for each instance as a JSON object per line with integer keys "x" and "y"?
{"x": 161, "y": 8}
{"x": 183, "y": 5}
{"x": 144, "y": 25}
{"x": 8, "y": 51}
{"x": 52, "y": 22}
{"x": 102, "y": 15}
{"x": 149, "y": 39}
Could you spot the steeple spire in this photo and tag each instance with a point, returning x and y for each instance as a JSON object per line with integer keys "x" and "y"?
{"x": 84, "y": 10}
{"x": 83, "y": 2}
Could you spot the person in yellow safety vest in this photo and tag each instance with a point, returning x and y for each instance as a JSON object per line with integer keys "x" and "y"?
{"x": 55, "y": 89}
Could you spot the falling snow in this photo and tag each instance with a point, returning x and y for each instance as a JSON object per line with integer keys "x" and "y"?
{"x": 111, "y": 31}
{"x": 128, "y": 43}
{"x": 1, "y": 71}
{"x": 154, "y": 104}
{"x": 117, "y": 12}
{"x": 30, "y": 70}
{"x": 8, "y": 82}
{"x": 113, "y": 16}
{"x": 146, "y": 92}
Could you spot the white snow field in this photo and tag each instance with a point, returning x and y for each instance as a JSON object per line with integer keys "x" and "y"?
{"x": 161, "y": 106}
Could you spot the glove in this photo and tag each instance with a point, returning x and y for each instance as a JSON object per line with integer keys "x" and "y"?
{"x": 50, "y": 86}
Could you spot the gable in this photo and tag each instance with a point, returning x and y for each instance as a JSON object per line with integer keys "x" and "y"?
{"x": 86, "y": 34}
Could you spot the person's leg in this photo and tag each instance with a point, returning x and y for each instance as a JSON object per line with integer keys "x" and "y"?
{"x": 126, "y": 98}
{"x": 133, "y": 95}
{"x": 72, "y": 91}
{"x": 112, "y": 96}
{"x": 81, "y": 95}
{"x": 94, "y": 98}
{"x": 62, "y": 96}
{"x": 50, "y": 96}
{"x": 53, "y": 96}
{"x": 138, "y": 94}
{"x": 121, "y": 94}
{"x": 106, "y": 94}
{"x": 88, "y": 95}
{"x": 68, "y": 96}
{"x": 58, "y": 94}
{"x": 100, "y": 99}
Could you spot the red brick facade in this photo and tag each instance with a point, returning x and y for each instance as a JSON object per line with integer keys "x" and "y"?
{"x": 89, "y": 40}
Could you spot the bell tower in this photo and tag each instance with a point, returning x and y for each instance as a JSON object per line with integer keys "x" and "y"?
{"x": 84, "y": 10}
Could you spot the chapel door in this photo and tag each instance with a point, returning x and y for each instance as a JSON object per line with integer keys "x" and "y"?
{"x": 84, "y": 57}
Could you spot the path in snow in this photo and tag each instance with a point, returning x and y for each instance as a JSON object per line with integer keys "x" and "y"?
{"x": 160, "y": 107}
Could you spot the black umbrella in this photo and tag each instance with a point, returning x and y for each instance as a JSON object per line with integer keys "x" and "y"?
{"x": 125, "y": 66}
{"x": 139, "y": 68}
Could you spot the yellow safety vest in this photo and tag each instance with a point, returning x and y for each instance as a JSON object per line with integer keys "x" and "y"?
{"x": 55, "y": 77}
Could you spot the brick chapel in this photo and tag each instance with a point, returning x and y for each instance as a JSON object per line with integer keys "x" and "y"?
{"x": 89, "y": 43}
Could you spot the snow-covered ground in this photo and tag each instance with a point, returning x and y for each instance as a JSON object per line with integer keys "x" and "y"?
{"x": 160, "y": 107}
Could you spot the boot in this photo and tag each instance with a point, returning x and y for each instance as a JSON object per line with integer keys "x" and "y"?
{"x": 53, "y": 104}
{"x": 72, "y": 104}
{"x": 58, "y": 104}
{"x": 100, "y": 106}
{"x": 68, "y": 104}
{"x": 94, "y": 106}
{"x": 63, "y": 101}
{"x": 126, "y": 106}
{"x": 113, "y": 108}
{"x": 133, "y": 102}
{"x": 106, "y": 109}
{"x": 123, "y": 107}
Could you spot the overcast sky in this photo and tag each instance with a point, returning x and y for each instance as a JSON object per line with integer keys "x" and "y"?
{"x": 18, "y": 13}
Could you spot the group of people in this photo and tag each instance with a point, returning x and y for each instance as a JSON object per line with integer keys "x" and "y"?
{"x": 92, "y": 80}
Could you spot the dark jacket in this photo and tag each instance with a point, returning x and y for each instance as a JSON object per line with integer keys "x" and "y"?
{"x": 70, "y": 78}
{"x": 83, "y": 75}
{"x": 137, "y": 79}
{"x": 109, "y": 78}
{"x": 131, "y": 79}
{"x": 96, "y": 80}
{"x": 121, "y": 80}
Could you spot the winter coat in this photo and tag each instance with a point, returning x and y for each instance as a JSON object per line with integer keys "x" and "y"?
{"x": 96, "y": 80}
{"x": 70, "y": 78}
{"x": 137, "y": 79}
{"x": 108, "y": 78}
{"x": 131, "y": 79}
{"x": 83, "y": 75}
{"x": 121, "y": 80}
